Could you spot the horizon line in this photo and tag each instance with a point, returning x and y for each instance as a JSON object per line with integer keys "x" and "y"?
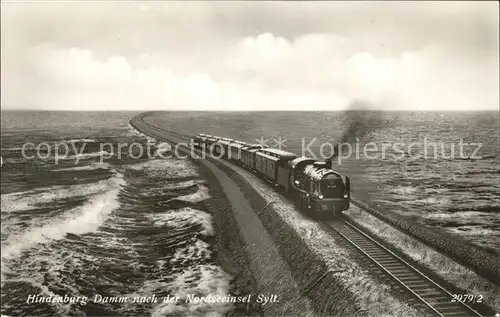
{"x": 190, "y": 110}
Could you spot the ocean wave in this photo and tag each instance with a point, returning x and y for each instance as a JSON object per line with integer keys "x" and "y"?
{"x": 12, "y": 149}
{"x": 21, "y": 201}
{"x": 90, "y": 155}
{"x": 151, "y": 139}
{"x": 432, "y": 201}
{"x": 403, "y": 190}
{"x": 91, "y": 167}
{"x": 474, "y": 230}
{"x": 183, "y": 185}
{"x": 172, "y": 168}
{"x": 199, "y": 250}
{"x": 36, "y": 270}
{"x": 200, "y": 195}
{"x": 134, "y": 132}
{"x": 200, "y": 280}
{"x": 184, "y": 217}
{"x": 486, "y": 157}
{"x": 463, "y": 215}
{"x": 486, "y": 171}
{"x": 80, "y": 141}
{"x": 162, "y": 148}
{"x": 160, "y": 189}
{"x": 83, "y": 219}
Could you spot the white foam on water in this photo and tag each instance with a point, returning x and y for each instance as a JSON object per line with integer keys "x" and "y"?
{"x": 462, "y": 219}
{"x": 177, "y": 185}
{"x": 403, "y": 190}
{"x": 80, "y": 140}
{"x": 460, "y": 215}
{"x": 434, "y": 200}
{"x": 91, "y": 167}
{"x": 82, "y": 219}
{"x": 171, "y": 167}
{"x": 12, "y": 149}
{"x": 61, "y": 308}
{"x": 438, "y": 215}
{"x": 184, "y": 217}
{"x": 14, "y": 161}
{"x": 200, "y": 195}
{"x": 200, "y": 280}
{"x": 133, "y": 131}
{"x": 151, "y": 139}
{"x": 474, "y": 230}
{"x": 21, "y": 201}
{"x": 162, "y": 148}
{"x": 14, "y": 202}
{"x": 102, "y": 153}
{"x": 199, "y": 250}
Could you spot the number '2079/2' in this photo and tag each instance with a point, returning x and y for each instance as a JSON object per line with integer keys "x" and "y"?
{"x": 467, "y": 298}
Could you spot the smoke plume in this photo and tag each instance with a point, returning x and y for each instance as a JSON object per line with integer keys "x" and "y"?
{"x": 361, "y": 118}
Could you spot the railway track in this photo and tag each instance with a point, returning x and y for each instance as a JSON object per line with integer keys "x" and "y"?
{"x": 424, "y": 292}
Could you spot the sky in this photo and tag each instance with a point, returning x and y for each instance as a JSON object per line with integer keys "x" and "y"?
{"x": 238, "y": 56}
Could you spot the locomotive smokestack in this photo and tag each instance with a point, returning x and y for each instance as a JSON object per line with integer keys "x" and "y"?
{"x": 329, "y": 163}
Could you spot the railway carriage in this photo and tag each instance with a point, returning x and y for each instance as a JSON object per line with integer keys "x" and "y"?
{"x": 209, "y": 144}
{"x": 222, "y": 148}
{"x": 276, "y": 166}
{"x": 252, "y": 153}
{"x": 199, "y": 140}
{"x": 247, "y": 155}
{"x": 265, "y": 164}
{"x": 235, "y": 152}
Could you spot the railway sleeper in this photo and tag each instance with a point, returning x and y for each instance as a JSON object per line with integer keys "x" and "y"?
{"x": 399, "y": 272}
{"x": 421, "y": 283}
{"x": 382, "y": 257}
{"x": 446, "y": 305}
{"x": 397, "y": 264}
{"x": 410, "y": 280}
{"x": 420, "y": 288}
{"x": 376, "y": 252}
{"x": 398, "y": 268}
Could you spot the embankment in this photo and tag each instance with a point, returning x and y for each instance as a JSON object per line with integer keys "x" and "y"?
{"x": 280, "y": 261}
{"x": 474, "y": 257}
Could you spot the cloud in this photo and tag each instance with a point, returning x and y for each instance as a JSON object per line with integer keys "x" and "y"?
{"x": 321, "y": 71}
{"x": 434, "y": 77}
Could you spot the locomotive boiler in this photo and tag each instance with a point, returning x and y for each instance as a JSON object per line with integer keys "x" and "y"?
{"x": 321, "y": 189}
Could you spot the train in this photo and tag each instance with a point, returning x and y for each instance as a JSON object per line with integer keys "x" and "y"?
{"x": 315, "y": 186}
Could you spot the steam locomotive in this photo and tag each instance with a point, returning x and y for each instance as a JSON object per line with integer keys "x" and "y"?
{"x": 320, "y": 191}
